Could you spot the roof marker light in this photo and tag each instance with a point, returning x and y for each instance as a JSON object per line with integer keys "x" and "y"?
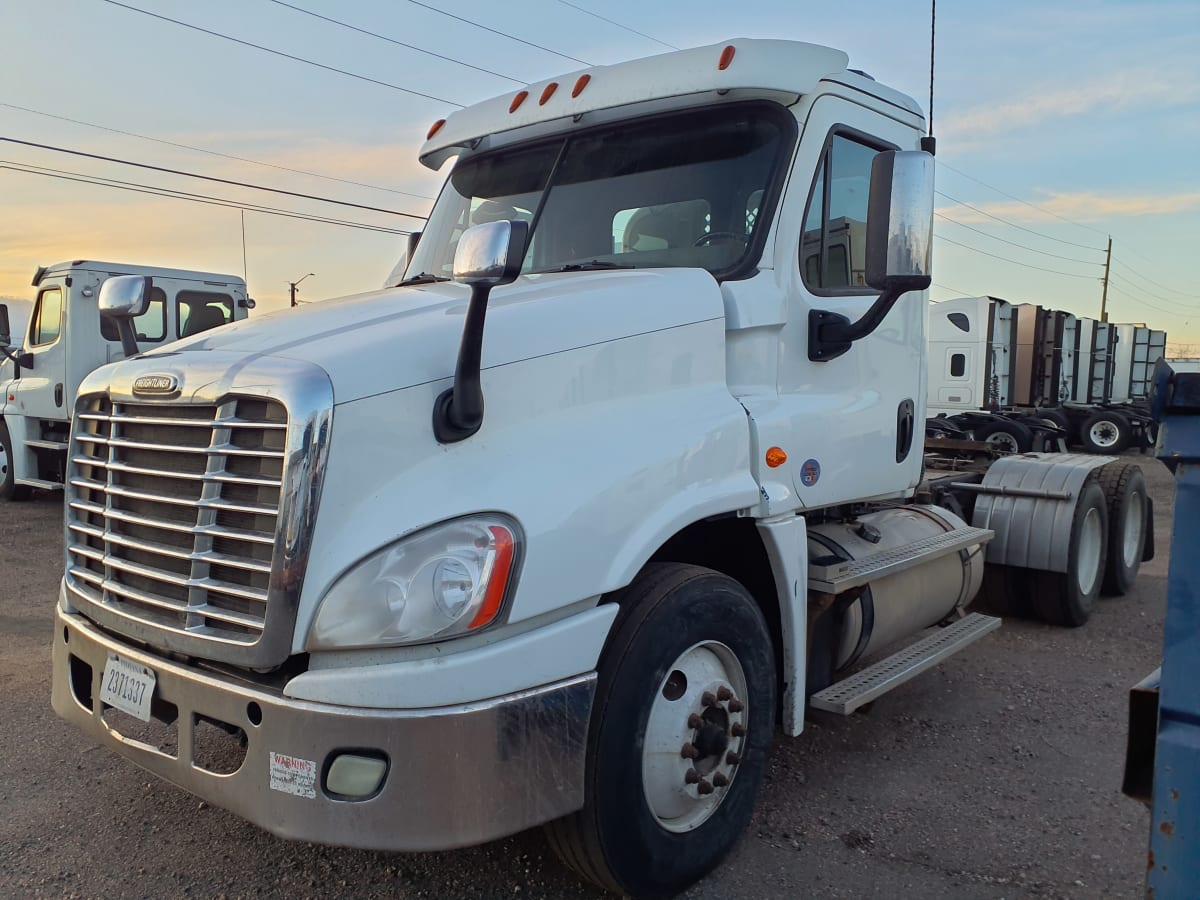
{"x": 726, "y": 57}
{"x": 435, "y": 128}
{"x": 580, "y": 84}
{"x": 547, "y": 93}
{"x": 517, "y": 100}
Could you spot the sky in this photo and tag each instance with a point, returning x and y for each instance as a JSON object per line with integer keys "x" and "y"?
{"x": 1059, "y": 125}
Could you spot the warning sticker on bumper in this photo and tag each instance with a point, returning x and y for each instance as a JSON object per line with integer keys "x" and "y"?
{"x": 293, "y": 775}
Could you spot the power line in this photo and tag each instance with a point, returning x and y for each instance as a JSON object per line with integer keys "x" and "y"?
{"x": 1191, "y": 294}
{"x": 383, "y": 37}
{"x": 1016, "y": 262}
{"x": 257, "y": 162}
{"x": 945, "y": 165}
{"x": 244, "y": 184}
{"x": 953, "y": 290}
{"x": 1195, "y": 305}
{"x": 290, "y": 56}
{"x": 997, "y": 218}
{"x": 205, "y": 199}
{"x": 1138, "y": 299}
{"x": 596, "y": 15}
{"x": 503, "y": 34}
{"x": 1085, "y": 262}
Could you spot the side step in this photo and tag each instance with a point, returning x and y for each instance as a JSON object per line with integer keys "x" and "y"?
{"x": 40, "y": 484}
{"x": 849, "y": 694}
{"x": 851, "y": 573}
{"x": 46, "y": 445}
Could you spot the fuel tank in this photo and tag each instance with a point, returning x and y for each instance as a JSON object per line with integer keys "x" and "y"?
{"x": 898, "y": 605}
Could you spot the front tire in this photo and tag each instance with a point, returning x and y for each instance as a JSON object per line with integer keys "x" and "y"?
{"x": 681, "y": 727}
{"x": 9, "y": 489}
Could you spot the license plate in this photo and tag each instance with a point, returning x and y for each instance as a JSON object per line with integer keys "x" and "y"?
{"x": 127, "y": 686}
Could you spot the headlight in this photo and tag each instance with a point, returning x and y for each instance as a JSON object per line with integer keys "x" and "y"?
{"x": 440, "y": 582}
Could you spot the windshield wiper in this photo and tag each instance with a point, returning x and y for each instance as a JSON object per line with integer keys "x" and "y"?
{"x": 423, "y": 278}
{"x": 591, "y": 266}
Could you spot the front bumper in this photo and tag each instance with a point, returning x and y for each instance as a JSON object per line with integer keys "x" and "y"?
{"x": 456, "y": 775}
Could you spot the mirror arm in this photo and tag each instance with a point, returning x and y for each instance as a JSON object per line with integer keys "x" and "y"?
{"x": 128, "y": 336}
{"x": 830, "y": 334}
{"x": 458, "y": 411}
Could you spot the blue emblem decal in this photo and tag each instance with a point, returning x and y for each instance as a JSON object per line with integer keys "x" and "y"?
{"x": 810, "y": 472}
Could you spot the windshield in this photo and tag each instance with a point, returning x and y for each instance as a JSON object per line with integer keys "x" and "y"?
{"x": 683, "y": 190}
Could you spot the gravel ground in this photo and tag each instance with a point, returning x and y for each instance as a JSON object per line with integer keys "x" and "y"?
{"x": 996, "y": 775}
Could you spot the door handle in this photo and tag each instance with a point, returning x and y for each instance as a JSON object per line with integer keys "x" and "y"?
{"x": 905, "y": 415}
{"x": 58, "y": 395}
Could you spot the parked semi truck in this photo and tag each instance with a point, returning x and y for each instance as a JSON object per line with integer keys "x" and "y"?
{"x": 66, "y": 338}
{"x": 1023, "y": 376}
{"x": 560, "y": 528}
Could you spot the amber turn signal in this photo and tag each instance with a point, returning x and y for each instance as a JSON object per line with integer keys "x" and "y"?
{"x": 776, "y": 457}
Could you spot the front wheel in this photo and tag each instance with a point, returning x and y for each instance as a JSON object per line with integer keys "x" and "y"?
{"x": 9, "y": 489}
{"x": 681, "y": 727}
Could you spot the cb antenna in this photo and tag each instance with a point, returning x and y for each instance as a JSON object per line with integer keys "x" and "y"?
{"x": 929, "y": 142}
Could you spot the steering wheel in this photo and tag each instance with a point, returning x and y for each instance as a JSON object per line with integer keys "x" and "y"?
{"x": 711, "y": 236}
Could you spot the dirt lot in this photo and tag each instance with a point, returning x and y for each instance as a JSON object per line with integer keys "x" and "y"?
{"x": 996, "y": 775}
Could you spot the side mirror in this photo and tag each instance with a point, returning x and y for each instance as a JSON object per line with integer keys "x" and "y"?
{"x": 488, "y": 255}
{"x": 900, "y": 221}
{"x": 5, "y": 328}
{"x": 898, "y": 251}
{"x": 123, "y": 298}
{"x": 401, "y": 266}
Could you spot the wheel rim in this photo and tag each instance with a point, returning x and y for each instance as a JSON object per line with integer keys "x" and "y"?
{"x": 1104, "y": 434}
{"x": 3, "y": 464}
{"x": 1135, "y": 510}
{"x": 695, "y": 736}
{"x": 1091, "y": 541}
{"x": 1003, "y": 441}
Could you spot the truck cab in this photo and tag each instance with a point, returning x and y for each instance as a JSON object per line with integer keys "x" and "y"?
{"x": 66, "y": 339}
{"x": 621, "y": 470}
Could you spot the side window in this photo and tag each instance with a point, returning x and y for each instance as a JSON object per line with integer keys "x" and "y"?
{"x": 150, "y": 326}
{"x": 833, "y": 244}
{"x": 958, "y": 365}
{"x": 45, "y": 325}
{"x": 198, "y": 311}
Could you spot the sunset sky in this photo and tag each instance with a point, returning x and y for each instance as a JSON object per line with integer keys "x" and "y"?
{"x": 1089, "y": 111}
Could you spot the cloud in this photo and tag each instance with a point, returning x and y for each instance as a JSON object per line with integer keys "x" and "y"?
{"x": 1126, "y": 90}
{"x": 1083, "y": 206}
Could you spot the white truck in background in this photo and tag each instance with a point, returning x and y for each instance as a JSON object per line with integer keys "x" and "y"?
{"x": 557, "y": 528}
{"x": 1021, "y": 376}
{"x": 66, "y": 338}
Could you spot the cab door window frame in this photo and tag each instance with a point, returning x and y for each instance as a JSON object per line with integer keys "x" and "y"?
{"x": 36, "y": 318}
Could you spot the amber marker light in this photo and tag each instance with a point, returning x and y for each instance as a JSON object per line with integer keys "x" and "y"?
{"x": 435, "y": 128}
{"x": 580, "y": 84}
{"x": 498, "y": 581}
{"x": 726, "y": 57}
{"x": 776, "y": 457}
{"x": 547, "y": 93}
{"x": 517, "y": 101}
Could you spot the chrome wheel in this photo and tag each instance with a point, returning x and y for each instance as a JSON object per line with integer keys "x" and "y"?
{"x": 1091, "y": 551}
{"x": 1004, "y": 442}
{"x": 694, "y": 736}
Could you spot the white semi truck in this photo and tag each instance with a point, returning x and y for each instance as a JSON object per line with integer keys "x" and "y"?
{"x": 611, "y": 484}
{"x": 66, "y": 338}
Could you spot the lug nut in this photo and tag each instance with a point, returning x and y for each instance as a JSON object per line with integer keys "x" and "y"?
{"x": 738, "y": 730}
{"x": 704, "y": 787}
{"x": 707, "y": 699}
{"x": 719, "y": 780}
{"x": 724, "y": 693}
{"x": 689, "y": 752}
{"x": 733, "y": 758}
{"x": 691, "y": 776}
{"x": 736, "y": 706}
{"x": 694, "y": 721}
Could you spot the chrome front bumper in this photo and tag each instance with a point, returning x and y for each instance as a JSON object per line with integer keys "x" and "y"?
{"x": 456, "y": 776}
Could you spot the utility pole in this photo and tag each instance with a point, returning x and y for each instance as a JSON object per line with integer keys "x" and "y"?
{"x": 293, "y": 291}
{"x": 1104, "y": 292}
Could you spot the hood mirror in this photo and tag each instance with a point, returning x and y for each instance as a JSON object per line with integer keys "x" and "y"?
{"x": 123, "y": 298}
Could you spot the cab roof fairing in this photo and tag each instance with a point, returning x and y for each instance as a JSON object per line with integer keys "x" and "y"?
{"x": 768, "y": 66}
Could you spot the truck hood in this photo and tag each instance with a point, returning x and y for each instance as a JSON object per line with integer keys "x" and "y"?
{"x": 388, "y": 340}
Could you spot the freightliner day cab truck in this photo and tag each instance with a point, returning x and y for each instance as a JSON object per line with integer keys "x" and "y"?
{"x": 561, "y": 528}
{"x": 66, "y": 339}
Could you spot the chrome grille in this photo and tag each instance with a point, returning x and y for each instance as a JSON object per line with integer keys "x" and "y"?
{"x": 173, "y": 512}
